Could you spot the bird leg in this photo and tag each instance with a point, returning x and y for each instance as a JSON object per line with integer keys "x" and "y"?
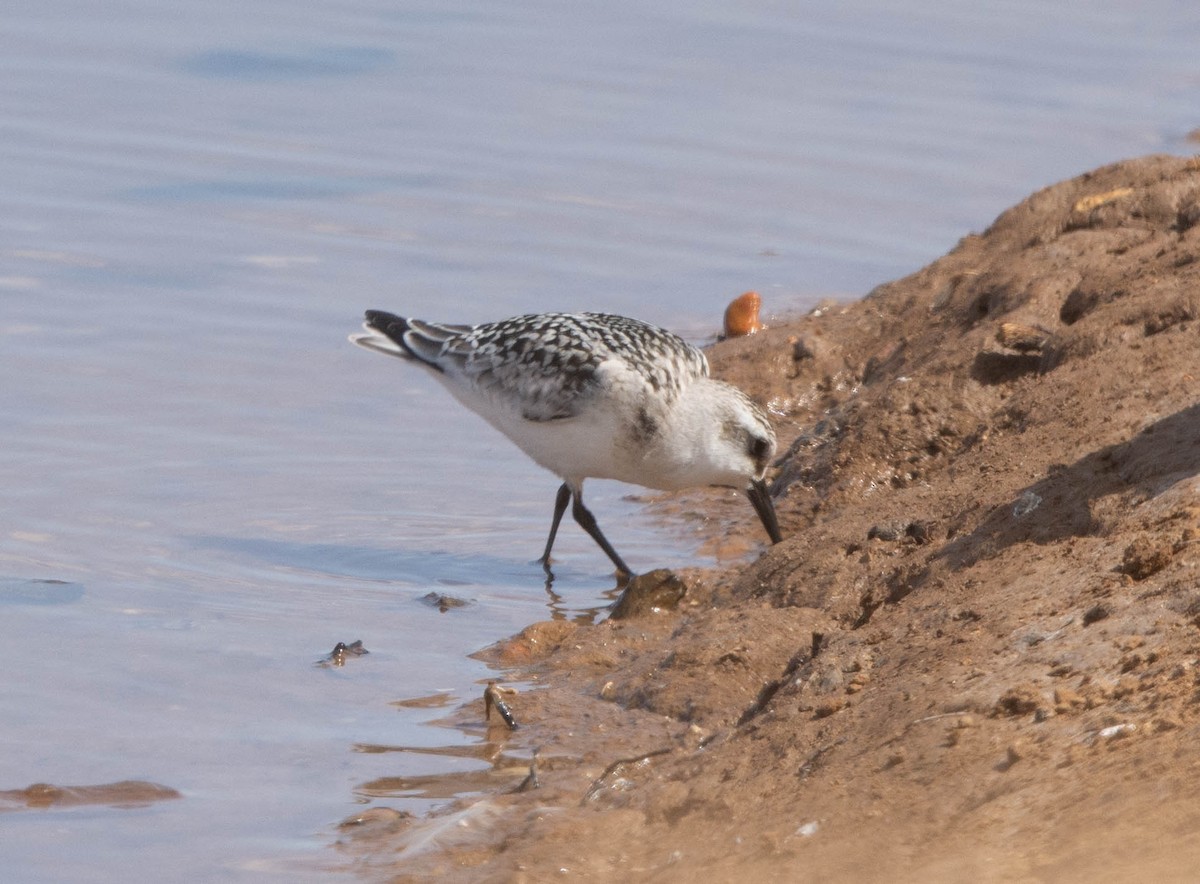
{"x": 588, "y": 523}
{"x": 560, "y": 507}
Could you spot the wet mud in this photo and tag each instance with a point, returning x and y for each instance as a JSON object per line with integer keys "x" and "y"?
{"x": 127, "y": 793}
{"x": 975, "y": 654}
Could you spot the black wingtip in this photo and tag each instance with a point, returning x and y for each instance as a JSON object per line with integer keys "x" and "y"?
{"x": 388, "y": 324}
{"x": 381, "y": 318}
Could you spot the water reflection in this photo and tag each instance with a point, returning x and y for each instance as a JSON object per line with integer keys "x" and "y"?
{"x": 502, "y": 769}
{"x": 418, "y": 569}
{"x": 399, "y": 566}
{"x": 562, "y": 609}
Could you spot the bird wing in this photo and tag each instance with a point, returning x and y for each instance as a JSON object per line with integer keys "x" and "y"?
{"x": 543, "y": 365}
{"x": 547, "y": 366}
{"x": 551, "y": 366}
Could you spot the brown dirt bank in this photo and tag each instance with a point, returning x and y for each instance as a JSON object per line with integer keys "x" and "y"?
{"x": 975, "y": 655}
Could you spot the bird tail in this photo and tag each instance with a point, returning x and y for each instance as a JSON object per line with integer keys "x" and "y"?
{"x": 407, "y": 338}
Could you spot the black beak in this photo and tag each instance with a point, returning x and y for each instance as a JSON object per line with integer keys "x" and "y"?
{"x": 761, "y": 499}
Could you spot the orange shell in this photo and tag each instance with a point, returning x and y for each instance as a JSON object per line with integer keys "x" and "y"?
{"x": 741, "y": 316}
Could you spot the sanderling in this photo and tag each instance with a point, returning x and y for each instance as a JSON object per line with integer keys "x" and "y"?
{"x": 595, "y": 396}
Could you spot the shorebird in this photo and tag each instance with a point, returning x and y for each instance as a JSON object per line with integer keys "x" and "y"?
{"x": 595, "y": 396}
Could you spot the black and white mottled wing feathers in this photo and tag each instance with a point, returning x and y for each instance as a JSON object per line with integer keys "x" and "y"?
{"x": 549, "y": 365}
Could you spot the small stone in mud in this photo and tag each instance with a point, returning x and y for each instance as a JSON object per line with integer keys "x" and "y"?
{"x": 658, "y": 590}
{"x": 1117, "y": 731}
{"x": 443, "y": 602}
{"x": 1095, "y": 614}
{"x": 1145, "y": 557}
{"x": 1022, "y": 338}
{"x": 1026, "y": 504}
{"x": 337, "y": 657}
{"x": 918, "y": 532}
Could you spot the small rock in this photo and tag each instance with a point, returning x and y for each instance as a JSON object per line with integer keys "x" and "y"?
{"x": 1022, "y": 338}
{"x": 337, "y": 657}
{"x": 828, "y": 678}
{"x": 1117, "y": 731}
{"x": 1026, "y": 504}
{"x": 808, "y": 829}
{"x": 857, "y": 682}
{"x": 443, "y": 602}
{"x": 658, "y": 590}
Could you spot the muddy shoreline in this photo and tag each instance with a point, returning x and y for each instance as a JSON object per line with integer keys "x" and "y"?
{"x": 974, "y": 656}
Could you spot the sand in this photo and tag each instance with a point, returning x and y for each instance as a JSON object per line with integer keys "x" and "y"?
{"x": 975, "y": 655}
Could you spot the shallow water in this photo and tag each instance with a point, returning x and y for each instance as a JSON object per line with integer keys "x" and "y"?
{"x": 199, "y": 199}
